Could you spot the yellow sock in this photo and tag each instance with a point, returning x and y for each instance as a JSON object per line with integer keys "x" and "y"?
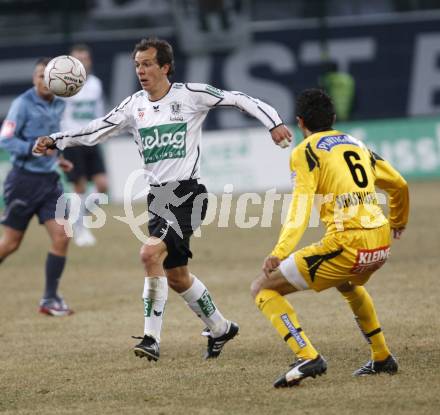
{"x": 283, "y": 317}
{"x": 363, "y": 308}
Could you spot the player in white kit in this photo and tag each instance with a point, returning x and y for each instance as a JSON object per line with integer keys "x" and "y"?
{"x": 88, "y": 161}
{"x": 165, "y": 121}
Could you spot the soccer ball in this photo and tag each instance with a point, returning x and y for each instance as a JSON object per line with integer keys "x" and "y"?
{"x": 65, "y": 75}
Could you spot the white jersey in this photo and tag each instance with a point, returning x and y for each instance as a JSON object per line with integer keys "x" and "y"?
{"x": 168, "y": 131}
{"x": 85, "y": 106}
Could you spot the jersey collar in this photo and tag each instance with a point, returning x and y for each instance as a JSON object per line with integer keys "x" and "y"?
{"x": 162, "y": 97}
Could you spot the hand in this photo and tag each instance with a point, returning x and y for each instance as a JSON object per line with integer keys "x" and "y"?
{"x": 65, "y": 165}
{"x": 270, "y": 264}
{"x": 43, "y": 146}
{"x": 281, "y": 136}
{"x": 397, "y": 232}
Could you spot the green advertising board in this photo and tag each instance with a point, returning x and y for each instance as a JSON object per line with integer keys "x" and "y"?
{"x": 412, "y": 146}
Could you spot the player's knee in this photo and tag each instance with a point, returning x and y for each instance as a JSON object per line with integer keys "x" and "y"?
{"x": 263, "y": 296}
{"x": 102, "y": 187}
{"x": 9, "y": 246}
{"x": 255, "y": 287}
{"x": 60, "y": 242}
{"x": 81, "y": 186}
{"x": 151, "y": 255}
{"x": 259, "y": 284}
{"x": 101, "y": 183}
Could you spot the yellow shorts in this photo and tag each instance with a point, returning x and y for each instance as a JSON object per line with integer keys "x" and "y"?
{"x": 352, "y": 255}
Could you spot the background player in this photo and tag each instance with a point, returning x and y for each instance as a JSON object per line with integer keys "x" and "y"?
{"x": 33, "y": 187}
{"x": 165, "y": 120}
{"x": 344, "y": 172}
{"x": 88, "y": 162}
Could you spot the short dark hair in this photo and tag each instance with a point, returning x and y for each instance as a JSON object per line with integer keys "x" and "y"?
{"x": 316, "y": 109}
{"x": 42, "y": 61}
{"x": 164, "y": 50}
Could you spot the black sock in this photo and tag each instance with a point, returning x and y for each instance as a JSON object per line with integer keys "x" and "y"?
{"x": 54, "y": 269}
{"x": 1, "y": 260}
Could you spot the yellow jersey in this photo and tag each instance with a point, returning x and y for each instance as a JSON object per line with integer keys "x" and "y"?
{"x": 339, "y": 173}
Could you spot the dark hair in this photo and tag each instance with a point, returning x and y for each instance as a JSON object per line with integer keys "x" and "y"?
{"x": 164, "y": 50}
{"x": 42, "y": 61}
{"x": 80, "y": 47}
{"x": 316, "y": 109}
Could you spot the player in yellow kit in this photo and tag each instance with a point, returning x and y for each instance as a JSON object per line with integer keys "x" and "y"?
{"x": 339, "y": 173}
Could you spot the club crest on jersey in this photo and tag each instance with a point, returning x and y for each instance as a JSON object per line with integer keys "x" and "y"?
{"x": 369, "y": 260}
{"x": 176, "y": 114}
{"x": 156, "y": 108}
{"x": 328, "y": 142}
{"x": 162, "y": 142}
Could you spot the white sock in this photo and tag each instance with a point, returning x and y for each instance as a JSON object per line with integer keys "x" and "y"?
{"x": 199, "y": 300}
{"x": 155, "y": 297}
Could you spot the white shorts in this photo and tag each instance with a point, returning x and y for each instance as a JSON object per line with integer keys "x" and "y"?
{"x": 290, "y": 271}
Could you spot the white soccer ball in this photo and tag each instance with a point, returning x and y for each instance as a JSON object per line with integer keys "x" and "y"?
{"x": 65, "y": 75}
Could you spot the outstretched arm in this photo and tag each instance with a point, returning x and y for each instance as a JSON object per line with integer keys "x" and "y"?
{"x": 93, "y": 133}
{"x": 207, "y": 97}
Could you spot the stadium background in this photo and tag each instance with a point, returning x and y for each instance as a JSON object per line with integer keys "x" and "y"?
{"x": 271, "y": 50}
